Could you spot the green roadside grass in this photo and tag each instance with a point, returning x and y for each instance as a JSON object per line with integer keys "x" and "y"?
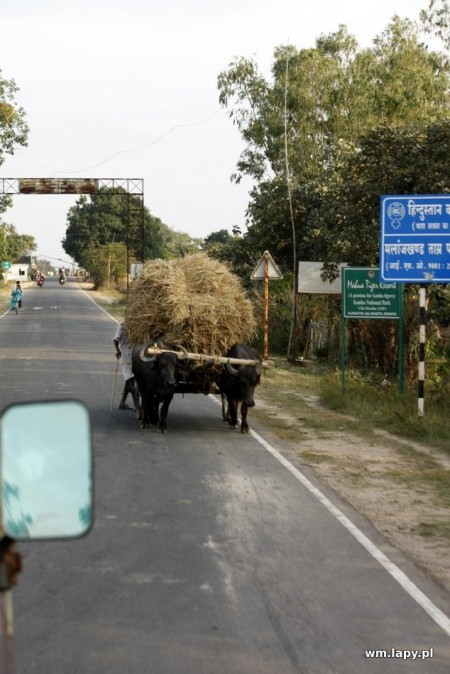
{"x": 312, "y": 392}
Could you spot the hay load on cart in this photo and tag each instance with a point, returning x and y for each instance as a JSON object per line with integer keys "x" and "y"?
{"x": 195, "y": 303}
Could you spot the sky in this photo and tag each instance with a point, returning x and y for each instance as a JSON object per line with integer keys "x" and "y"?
{"x": 128, "y": 89}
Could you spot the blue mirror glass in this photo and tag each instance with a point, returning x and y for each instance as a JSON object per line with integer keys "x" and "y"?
{"x": 46, "y": 470}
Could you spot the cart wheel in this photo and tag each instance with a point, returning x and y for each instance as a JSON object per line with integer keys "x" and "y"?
{"x": 224, "y": 407}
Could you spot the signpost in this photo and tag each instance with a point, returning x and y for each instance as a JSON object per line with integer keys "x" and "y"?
{"x": 415, "y": 248}
{"x": 266, "y": 269}
{"x": 364, "y": 295}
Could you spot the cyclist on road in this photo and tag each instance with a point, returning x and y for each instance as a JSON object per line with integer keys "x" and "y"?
{"x": 16, "y": 296}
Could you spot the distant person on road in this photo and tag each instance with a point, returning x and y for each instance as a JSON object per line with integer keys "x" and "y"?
{"x": 19, "y": 287}
{"x": 16, "y": 296}
{"x": 123, "y": 353}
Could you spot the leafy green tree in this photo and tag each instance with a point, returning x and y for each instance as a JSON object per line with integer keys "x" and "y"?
{"x": 237, "y": 252}
{"x": 105, "y": 262}
{"x": 221, "y": 236}
{"x": 390, "y": 160}
{"x": 334, "y": 128}
{"x": 45, "y": 266}
{"x": 13, "y": 134}
{"x": 20, "y": 244}
{"x": 302, "y": 127}
{"x": 102, "y": 219}
{"x": 233, "y": 250}
{"x": 177, "y": 244}
{"x": 13, "y": 127}
{"x": 436, "y": 20}
{"x": 14, "y": 245}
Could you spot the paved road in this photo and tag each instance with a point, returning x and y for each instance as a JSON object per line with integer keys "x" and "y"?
{"x": 208, "y": 556}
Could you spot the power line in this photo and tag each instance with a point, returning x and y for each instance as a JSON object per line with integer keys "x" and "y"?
{"x": 142, "y": 147}
{"x": 58, "y": 259}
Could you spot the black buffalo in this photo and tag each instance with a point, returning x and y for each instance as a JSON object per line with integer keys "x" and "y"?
{"x": 156, "y": 381}
{"x": 238, "y": 382}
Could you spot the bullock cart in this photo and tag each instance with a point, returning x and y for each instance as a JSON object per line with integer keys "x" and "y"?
{"x": 201, "y": 373}
{"x": 196, "y": 310}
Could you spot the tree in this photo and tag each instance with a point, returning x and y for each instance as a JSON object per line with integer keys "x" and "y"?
{"x": 96, "y": 235}
{"x": 312, "y": 137}
{"x": 101, "y": 219}
{"x": 13, "y": 127}
{"x": 221, "y": 236}
{"x": 177, "y": 244}
{"x": 13, "y": 133}
{"x": 44, "y": 266}
{"x": 105, "y": 262}
{"x": 302, "y": 127}
{"x": 14, "y": 245}
{"x": 390, "y": 160}
{"x": 237, "y": 252}
{"x": 436, "y": 20}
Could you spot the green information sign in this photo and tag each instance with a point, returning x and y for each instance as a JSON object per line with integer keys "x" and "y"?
{"x": 365, "y": 296}
{"x": 6, "y": 265}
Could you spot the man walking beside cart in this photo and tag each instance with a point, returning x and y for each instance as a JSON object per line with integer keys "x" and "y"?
{"x": 123, "y": 354}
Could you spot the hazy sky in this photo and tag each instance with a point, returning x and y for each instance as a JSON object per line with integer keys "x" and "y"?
{"x": 128, "y": 89}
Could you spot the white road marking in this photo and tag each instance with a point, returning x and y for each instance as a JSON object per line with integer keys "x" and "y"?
{"x": 406, "y": 583}
{"x": 98, "y": 305}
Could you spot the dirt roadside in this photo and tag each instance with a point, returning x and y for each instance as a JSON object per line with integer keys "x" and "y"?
{"x": 378, "y": 476}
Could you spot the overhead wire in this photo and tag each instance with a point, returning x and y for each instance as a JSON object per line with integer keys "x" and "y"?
{"x": 141, "y": 147}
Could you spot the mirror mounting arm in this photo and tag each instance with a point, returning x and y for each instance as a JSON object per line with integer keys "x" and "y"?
{"x": 10, "y": 563}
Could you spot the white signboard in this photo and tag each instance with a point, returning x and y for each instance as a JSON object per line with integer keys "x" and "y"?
{"x": 310, "y": 280}
{"x": 135, "y": 270}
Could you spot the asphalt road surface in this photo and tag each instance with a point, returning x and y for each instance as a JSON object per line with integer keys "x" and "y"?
{"x": 208, "y": 554}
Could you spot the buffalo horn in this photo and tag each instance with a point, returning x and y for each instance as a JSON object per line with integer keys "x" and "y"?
{"x": 145, "y": 358}
{"x": 185, "y": 352}
{"x": 231, "y": 370}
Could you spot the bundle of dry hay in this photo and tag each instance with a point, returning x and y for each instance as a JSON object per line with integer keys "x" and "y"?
{"x": 194, "y": 301}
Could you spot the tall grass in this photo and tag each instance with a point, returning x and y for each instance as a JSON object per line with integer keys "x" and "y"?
{"x": 385, "y": 408}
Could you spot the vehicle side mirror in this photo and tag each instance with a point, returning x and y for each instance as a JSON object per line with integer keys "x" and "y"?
{"x": 46, "y": 470}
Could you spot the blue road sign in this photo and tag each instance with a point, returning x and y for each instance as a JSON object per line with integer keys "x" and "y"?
{"x": 415, "y": 238}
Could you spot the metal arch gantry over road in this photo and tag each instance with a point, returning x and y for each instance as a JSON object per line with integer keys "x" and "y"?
{"x": 132, "y": 188}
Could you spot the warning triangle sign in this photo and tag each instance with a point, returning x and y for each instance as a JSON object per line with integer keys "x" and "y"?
{"x": 272, "y": 269}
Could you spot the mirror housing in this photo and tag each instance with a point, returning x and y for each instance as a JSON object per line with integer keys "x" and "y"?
{"x": 46, "y": 470}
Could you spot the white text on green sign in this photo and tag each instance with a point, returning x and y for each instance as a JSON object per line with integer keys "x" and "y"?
{"x": 364, "y": 296}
